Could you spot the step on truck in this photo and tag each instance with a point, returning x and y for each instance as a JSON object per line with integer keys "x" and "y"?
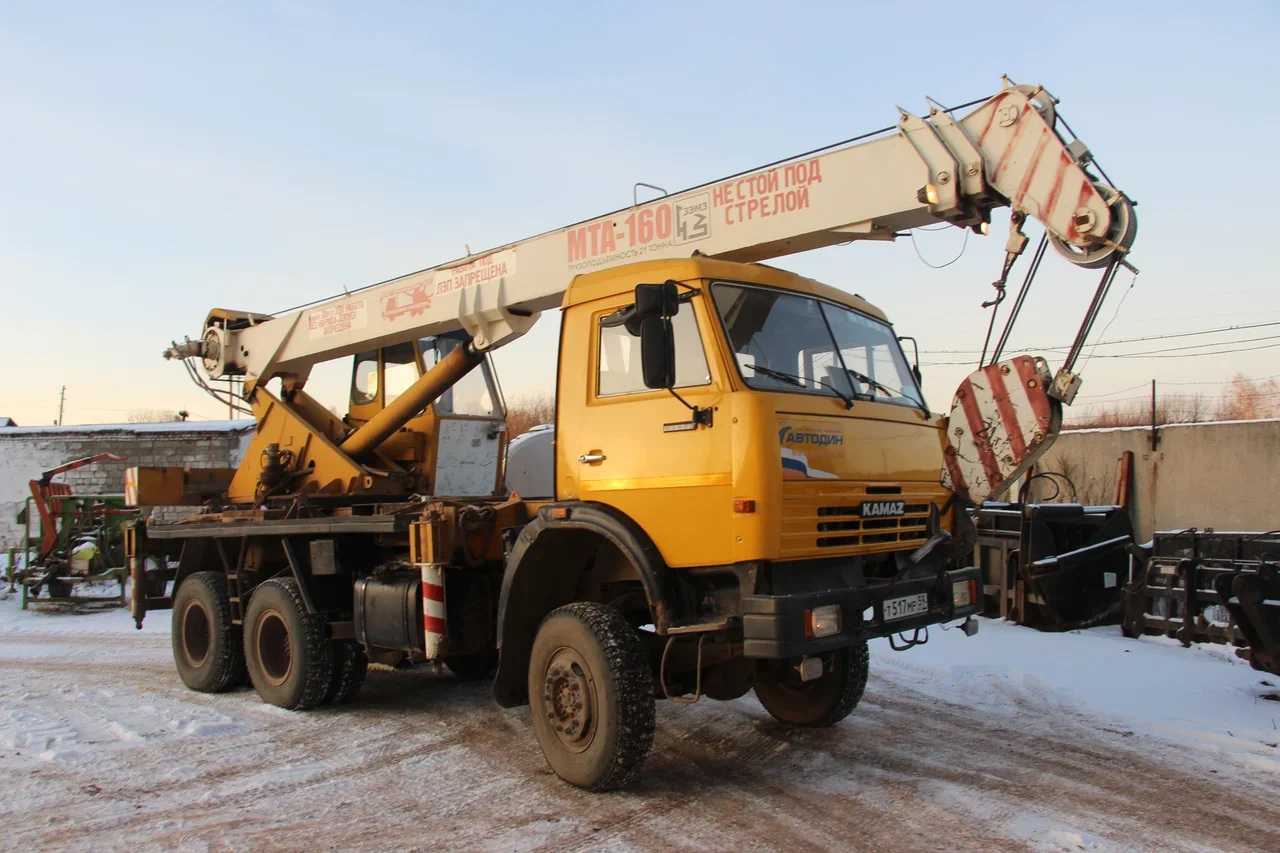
{"x": 745, "y": 481}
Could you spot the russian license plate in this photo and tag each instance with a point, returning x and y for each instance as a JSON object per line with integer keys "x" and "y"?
{"x": 908, "y": 605}
{"x": 883, "y": 509}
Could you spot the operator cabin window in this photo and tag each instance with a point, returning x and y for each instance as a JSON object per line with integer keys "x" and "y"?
{"x": 399, "y": 370}
{"x": 620, "y": 357}
{"x": 364, "y": 379}
{"x": 473, "y": 394}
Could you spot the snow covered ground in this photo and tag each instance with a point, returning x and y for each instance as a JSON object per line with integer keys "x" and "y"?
{"x": 1011, "y": 740}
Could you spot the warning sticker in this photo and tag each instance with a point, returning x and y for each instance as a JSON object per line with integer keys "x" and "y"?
{"x": 489, "y": 268}
{"x": 336, "y": 319}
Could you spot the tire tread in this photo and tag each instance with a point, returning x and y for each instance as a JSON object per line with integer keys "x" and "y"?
{"x": 314, "y": 639}
{"x": 229, "y": 666}
{"x": 633, "y": 684}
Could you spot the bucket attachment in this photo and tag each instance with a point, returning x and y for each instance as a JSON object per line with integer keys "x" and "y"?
{"x": 1002, "y": 420}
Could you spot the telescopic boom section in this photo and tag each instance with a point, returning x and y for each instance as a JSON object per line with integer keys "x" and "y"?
{"x": 938, "y": 168}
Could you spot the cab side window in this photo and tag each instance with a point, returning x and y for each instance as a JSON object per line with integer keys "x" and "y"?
{"x": 364, "y": 379}
{"x": 619, "y": 364}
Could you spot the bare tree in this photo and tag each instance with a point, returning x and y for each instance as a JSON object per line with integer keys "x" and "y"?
{"x": 152, "y": 416}
{"x": 528, "y": 411}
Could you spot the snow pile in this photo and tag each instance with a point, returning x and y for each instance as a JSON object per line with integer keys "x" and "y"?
{"x": 1203, "y": 697}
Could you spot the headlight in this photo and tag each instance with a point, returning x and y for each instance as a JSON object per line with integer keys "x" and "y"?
{"x": 822, "y": 621}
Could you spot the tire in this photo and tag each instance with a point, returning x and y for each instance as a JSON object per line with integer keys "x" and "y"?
{"x": 207, "y": 648}
{"x": 586, "y": 654}
{"x": 58, "y": 588}
{"x": 473, "y": 667}
{"x": 822, "y": 702}
{"x": 289, "y": 658}
{"x": 350, "y": 666}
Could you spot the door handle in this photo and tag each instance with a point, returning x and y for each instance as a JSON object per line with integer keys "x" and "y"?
{"x": 588, "y": 458}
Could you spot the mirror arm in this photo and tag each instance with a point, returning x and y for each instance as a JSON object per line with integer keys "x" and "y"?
{"x": 701, "y": 417}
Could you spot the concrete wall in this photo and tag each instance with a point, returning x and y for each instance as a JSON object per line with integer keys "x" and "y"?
{"x": 27, "y": 452}
{"x": 1222, "y": 475}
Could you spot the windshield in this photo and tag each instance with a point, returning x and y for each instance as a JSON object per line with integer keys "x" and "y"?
{"x": 788, "y": 342}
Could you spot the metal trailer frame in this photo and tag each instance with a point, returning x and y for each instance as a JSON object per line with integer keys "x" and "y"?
{"x": 1177, "y": 587}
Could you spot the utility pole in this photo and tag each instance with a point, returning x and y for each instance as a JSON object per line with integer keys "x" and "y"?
{"x": 62, "y": 399}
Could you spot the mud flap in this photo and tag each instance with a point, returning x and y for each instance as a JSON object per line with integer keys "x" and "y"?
{"x": 1002, "y": 420}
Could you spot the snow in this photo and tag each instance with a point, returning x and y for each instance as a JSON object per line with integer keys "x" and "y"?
{"x": 164, "y": 426}
{"x": 1147, "y": 427}
{"x": 56, "y": 620}
{"x": 1203, "y": 698}
{"x": 1012, "y": 739}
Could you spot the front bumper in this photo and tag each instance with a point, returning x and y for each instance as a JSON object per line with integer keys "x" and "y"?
{"x": 773, "y": 626}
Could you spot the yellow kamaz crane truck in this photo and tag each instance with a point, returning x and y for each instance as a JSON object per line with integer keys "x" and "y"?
{"x": 746, "y": 485}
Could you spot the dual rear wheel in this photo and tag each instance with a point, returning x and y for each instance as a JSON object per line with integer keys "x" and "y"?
{"x": 283, "y": 650}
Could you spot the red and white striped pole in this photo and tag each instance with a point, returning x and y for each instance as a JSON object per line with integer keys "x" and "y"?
{"x": 433, "y": 614}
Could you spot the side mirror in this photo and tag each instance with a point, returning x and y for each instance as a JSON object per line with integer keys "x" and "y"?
{"x": 657, "y": 300}
{"x": 657, "y": 350}
{"x": 915, "y": 365}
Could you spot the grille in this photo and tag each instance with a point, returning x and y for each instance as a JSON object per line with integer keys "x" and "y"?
{"x": 820, "y": 521}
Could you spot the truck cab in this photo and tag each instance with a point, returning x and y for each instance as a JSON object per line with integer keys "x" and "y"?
{"x": 768, "y": 508}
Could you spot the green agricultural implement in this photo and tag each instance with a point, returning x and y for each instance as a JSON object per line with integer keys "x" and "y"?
{"x": 70, "y": 540}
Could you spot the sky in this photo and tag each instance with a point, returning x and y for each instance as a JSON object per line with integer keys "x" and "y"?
{"x": 161, "y": 159}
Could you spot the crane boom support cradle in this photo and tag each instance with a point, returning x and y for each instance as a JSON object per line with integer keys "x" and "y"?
{"x": 1005, "y": 152}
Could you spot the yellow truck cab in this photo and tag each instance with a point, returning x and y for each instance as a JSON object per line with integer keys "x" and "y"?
{"x": 777, "y": 505}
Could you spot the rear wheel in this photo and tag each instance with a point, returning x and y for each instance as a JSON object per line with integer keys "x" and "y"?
{"x": 350, "y": 665}
{"x": 206, "y": 647}
{"x": 824, "y": 701}
{"x": 591, "y": 696}
{"x": 288, "y": 656}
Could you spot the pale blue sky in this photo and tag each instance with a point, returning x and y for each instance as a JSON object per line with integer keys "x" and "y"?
{"x": 157, "y": 160}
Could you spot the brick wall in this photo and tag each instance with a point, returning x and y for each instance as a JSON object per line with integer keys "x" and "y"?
{"x": 27, "y": 452}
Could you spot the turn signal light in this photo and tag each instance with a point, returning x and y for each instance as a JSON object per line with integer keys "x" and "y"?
{"x": 822, "y": 621}
{"x": 964, "y": 593}
{"x": 744, "y": 505}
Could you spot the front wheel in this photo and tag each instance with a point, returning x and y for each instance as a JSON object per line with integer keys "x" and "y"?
{"x": 591, "y": 696}
{"x": 822, "y": 702}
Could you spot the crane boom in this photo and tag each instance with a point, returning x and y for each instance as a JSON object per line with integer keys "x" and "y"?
{"x": 1005, "y": 152}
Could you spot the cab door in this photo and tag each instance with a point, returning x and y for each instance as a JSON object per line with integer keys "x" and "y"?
{"x": 638, "y": 450}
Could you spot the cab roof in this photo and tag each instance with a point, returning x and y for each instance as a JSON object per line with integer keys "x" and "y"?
{"x": 610, "y": 282}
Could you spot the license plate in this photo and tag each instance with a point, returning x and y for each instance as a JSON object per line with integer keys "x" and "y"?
{"x": 883, "y": 509}
{"x": 908, "y": 605}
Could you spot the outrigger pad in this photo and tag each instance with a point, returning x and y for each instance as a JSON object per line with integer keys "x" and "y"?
{"x": 1002, "y": 420}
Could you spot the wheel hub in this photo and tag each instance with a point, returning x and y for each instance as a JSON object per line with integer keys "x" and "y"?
{"x": 568, "y": 699}
{"x": 275, "y": 651}
{"x": 197, "y": 634}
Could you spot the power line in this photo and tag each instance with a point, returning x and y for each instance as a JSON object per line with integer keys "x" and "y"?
{"x": 1192, "y": 354}
{"x": 1172, "y": 398}
{"x": 1122, "y": 340}
{"x": 1160, "y": 353}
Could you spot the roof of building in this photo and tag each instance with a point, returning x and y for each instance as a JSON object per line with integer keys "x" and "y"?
{"x": 168, "y": 427}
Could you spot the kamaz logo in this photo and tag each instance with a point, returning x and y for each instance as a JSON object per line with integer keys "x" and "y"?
{"x": 880, "y": 509}
{"x": 787, "y": 435}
